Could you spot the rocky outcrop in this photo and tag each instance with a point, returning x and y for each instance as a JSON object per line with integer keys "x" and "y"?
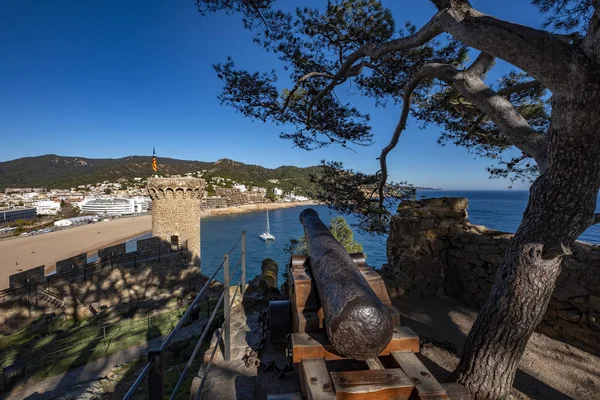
{"x": 433, "y": 249}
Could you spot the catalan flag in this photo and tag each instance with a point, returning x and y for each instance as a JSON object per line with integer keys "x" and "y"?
{"x": 154, "y": 166}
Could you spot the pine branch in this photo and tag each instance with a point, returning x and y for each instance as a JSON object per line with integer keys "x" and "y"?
{"x": 440, "y": 71}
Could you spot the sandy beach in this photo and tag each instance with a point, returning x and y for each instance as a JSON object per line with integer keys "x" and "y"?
{"x": 32, "y": 251}
{"x": 23, "y": 253}
{"x": 246, "y": 208}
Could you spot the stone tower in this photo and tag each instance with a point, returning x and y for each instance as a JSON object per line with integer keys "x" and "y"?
{"x": 176, "y": 206}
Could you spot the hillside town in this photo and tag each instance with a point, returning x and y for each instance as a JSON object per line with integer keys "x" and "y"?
{"x": 58, "y": 208}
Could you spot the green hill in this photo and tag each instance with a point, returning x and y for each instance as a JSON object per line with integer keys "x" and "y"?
{"x": 53, "y": 171}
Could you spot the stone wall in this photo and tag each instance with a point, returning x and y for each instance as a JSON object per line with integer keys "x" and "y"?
{"x": 32, "y": 275}
{"x": 69, "y": 263}
{"x": 108, "y": 252}
{"x": 158, "y": 281}
{"x": 148, "y": 244}
{"x": 158, "y": 274}
{"x": 433, "y": 249}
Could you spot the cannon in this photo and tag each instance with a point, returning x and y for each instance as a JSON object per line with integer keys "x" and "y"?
{"x": 343, "y": 335}
{"x": 268, "y": 278}
{"x": 357, "y": 323}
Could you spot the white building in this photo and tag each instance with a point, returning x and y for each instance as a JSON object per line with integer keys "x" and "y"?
{"x": 75, "y": 221}
{"x": 115, "y": 205}
{"x": 293, "y": 197}
{"x": 240, "y": 187}
{"x": 141, "y": 204}
{"x": 277, "y": 191}
{"x": 15, "y": 213}
{"x": 47, "y": 207}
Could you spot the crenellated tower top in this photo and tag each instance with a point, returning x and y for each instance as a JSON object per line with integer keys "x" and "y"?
{"x": 165, "y": 188}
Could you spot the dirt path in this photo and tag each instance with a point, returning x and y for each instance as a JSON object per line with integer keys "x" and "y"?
{"x": 56, "y": 386}
{"x": 549, "y": 369}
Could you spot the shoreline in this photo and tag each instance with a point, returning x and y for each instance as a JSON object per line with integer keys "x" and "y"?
{"x": 248, "y": 208}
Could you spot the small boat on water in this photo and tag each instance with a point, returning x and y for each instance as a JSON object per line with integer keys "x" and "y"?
{"x": 267, "y": 235}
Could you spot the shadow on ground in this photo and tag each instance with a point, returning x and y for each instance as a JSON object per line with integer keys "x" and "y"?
{"x": 549, "y": 369}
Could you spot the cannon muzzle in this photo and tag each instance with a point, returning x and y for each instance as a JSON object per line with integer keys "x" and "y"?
{"x": 358, "y": 324}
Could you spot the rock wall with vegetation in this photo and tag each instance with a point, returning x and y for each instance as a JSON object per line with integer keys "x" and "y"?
{"x": 434, "y": 250}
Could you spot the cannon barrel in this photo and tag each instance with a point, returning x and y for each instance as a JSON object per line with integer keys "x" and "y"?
{"x": 268, "y": 278}
{"x": 358, "y": 324}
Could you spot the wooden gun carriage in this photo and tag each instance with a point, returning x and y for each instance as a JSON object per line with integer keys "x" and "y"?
{"x": 383, "y": 368}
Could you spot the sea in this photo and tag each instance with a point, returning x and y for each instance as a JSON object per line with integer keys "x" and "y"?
{"x": 501, "y": 210}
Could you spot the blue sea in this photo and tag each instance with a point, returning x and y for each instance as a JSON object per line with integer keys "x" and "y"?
{"x": 501, "y": 210}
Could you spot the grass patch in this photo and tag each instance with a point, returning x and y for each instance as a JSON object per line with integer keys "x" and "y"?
{"x": 175, "y": 358}
{"x": 61, "y": 350}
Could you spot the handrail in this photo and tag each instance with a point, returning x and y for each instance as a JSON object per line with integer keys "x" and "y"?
{"x": 212, "y": 356}
{"x": 154, "y": 371}
{"x": 196, "y": 349}
{"x": 185, "y": 315}
{"x": 137, "y": 382}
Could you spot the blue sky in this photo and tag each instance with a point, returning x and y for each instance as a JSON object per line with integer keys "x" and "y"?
{"x": 115, "y": 78}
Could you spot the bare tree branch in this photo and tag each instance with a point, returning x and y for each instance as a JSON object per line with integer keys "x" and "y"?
{"x": 499, "y": 109}
{"x": 510, "y": 122}
{"x": 519, "y": 87}
{"x": 304, "y": 78}
{"x": 440, "y": 71}
{"x": 482, "y": 64}
{"x": 476, "y": 123}
{"x": 253, "y": 7}
{"x": 539, "y": 53}
{"x": 430, "y": 30}
{"x": 504, "y": 92}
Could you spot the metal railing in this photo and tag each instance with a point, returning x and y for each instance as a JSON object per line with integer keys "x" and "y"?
{"x": 154, "y": 369}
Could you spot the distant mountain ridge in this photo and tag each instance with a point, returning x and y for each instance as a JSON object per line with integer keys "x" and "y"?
{"x": 54, "y": 171}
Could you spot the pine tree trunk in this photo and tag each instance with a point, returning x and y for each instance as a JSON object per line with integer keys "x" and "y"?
{"x": 561, "y": 206}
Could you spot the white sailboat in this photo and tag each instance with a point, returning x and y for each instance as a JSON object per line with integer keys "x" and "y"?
{"x": 267, "y": 235}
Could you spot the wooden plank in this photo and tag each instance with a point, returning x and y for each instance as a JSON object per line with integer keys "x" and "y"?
{"x": 306, "y": 321}
{"x": 303, "y": 291}
{"x": 315, "y": 380}
{"x": 297, "y": 261}
{"x": 316, "y": 345}
{"x": 395, "y": 315}
{"x": 372, "y": 385}
{"x": 376, "y": 283}
{"x": 426, "y": 386}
